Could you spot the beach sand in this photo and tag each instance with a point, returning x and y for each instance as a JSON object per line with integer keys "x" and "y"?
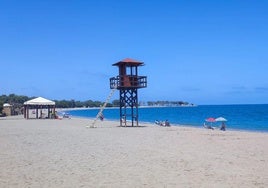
{"x": 63, "y": 153}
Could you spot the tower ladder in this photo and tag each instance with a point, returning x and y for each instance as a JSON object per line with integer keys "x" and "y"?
{"x": 102, "y": 108}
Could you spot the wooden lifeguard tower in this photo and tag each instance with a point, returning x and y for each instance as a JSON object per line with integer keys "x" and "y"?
{"x": 128, "y": 82}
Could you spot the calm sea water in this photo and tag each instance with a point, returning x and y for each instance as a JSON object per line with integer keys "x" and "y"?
{"x": 240, "y": 117}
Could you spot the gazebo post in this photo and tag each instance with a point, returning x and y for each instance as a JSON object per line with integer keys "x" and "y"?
{"x": 48, "y": 111}
{"x": 54, "y": 111}
{"x": 36, "y": 112}
{"x": 24, "y": 111}
{"x": 27, "y": 112}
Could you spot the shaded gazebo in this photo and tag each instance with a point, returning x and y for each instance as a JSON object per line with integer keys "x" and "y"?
{"x": 39, "y": 108}
{"x": 7, "y": 109}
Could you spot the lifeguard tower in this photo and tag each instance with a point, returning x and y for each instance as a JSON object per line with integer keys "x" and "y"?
{"x": 128, "y": 82}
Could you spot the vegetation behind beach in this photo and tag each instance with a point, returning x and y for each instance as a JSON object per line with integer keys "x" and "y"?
{"x": 17, "y": 102}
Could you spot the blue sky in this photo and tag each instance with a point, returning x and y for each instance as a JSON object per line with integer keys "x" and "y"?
{"x": 203, "y": 52}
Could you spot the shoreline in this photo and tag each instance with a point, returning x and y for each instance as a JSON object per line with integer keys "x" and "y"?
{"x": 176, "y": 125}
{"x": 193, "y": 117}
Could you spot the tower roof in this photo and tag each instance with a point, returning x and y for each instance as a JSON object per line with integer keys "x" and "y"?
{"x": 129, "y": 62}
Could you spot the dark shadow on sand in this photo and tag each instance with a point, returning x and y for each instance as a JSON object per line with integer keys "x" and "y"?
{"x": 129, "y": 126}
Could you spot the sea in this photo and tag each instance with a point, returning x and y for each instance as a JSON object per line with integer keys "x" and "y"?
{"x": 239, "y": 117}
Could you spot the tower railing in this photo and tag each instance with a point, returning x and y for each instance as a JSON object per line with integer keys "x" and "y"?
{"x": 128, "y": 81}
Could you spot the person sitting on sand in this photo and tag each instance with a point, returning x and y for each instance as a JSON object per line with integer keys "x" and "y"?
{"x": 223, "y": 127}
{"x": 167, "y": 124}
{"x": 157, "y": 122}
{"x": 208, "y": 126}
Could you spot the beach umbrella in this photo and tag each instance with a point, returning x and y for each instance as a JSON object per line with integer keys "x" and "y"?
{"x": 211, "y": 119}
{"x": 221, "y": 119}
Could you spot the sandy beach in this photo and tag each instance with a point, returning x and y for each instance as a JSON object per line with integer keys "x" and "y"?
{"x": 63, "y": 153}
